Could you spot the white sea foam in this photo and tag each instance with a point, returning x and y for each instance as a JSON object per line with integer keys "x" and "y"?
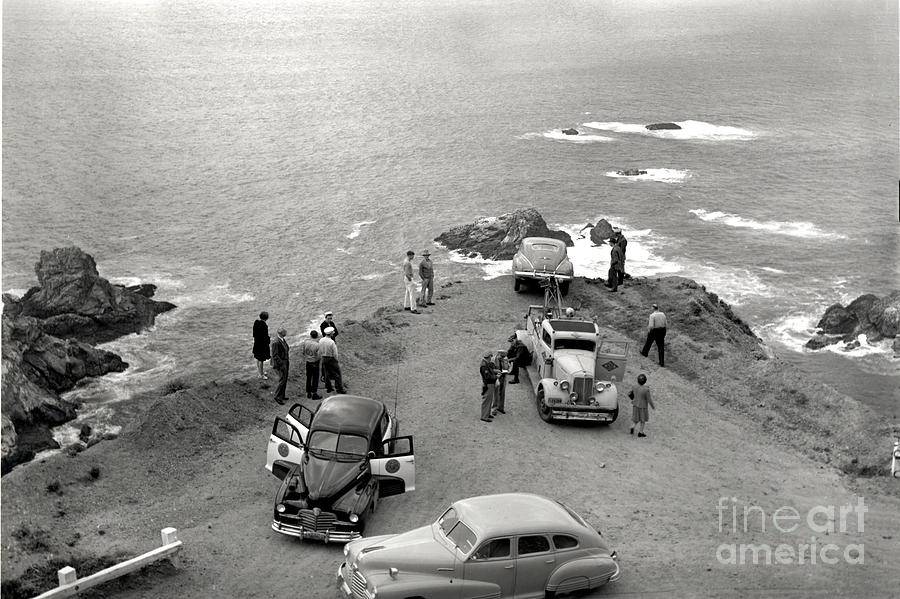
{"x": 558, "y": 135}
{"x": 774, "y": 270}
{"x": 802, "y": 229}
{"x": 734, "y": 285}
{"x": 215, "y": 294}
{"x": 663, "y": 175}
{"x": 690, "y": 130}
{"x": 492, "y": 268}
{"x": 161, "y": 280}
{"x": 357, "y": 228}
{"x": 795, "y": 329}
{"x": 16, "y": 292}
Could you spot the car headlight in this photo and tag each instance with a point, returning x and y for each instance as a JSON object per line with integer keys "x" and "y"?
{"x": 280, "y": 508}
{"x": 354, "y": 518}
{"x": 573, "y": 397}
{"x": 564, "y": 385}
{"x": 601, "y": 386}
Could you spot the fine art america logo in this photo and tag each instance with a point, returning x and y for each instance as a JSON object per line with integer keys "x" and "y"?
{"x": 805, "y": 531}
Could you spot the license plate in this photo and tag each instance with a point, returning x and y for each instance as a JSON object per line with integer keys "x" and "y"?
{"x": 314, "y": 534}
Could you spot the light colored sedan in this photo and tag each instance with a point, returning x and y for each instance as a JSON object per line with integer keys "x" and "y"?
{"x": 539, "y": 258}
{"x": 510, "y": 545}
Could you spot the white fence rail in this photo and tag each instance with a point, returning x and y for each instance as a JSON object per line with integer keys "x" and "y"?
{"x": 70, "y": 584}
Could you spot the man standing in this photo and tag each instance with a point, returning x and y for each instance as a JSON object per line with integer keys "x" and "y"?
{"x": 488, "y": 380}
{"x": 331, "y": 370}
{"x": 656, "y": 331}
{"x": 409, "y": 295}
{"x": 616, "y": 265}
{"x": 281, "y": 364}
{"x": 622, "y": 243}
{"x": 501, "y": 365}
{"x": 426, "y": 273}
{"x": 329, "y": 322}
{"x": 517, "y": 354}
{"x": 310, "y": 350}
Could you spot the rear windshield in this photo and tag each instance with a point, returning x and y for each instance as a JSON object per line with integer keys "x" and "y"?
{"x": 344, "y": 448}
{"x": 545, "y": 247}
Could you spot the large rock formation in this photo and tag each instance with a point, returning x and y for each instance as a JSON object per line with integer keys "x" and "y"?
{"x": 498, "y": 237}
{"x": 600, "y": 232}
{"x": 658, "y": 126}
{"x": 73, "y": 301}
{"x": 875, "y": 317}
{"x": 45, "y": 347}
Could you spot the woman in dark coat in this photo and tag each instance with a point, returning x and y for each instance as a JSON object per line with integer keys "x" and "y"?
{"x": 261, "y": 342}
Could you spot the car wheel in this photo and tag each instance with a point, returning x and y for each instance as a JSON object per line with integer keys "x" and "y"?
{"x": 517, "y": 284}
{"x": 542, "y": 407}
{"x": 564, "y": 287}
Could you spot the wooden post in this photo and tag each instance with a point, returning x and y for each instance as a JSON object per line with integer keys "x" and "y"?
{"x": 170, "y": 535}
{"x": 67, "y": 575}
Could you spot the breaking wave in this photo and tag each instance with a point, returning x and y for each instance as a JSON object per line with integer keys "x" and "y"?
{"x": 215, "y": 294}
{"x": 558, "y": 135}
{"x": 662, "y": 175}
{"x": 795, "y": 329}
{"x": 791, "y": 228}
{"x": 690, "y": 130}
{"x": 357, "y": 228}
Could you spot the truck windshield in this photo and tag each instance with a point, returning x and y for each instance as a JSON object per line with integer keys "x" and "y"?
{"x": 582, "y": 344}
{"x": 333, "y": 446}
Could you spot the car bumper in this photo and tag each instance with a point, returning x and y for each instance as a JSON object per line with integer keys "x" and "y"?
{"x": 327, "y": 536}
{"x": 616, "y": 575}
{"x": 572, "y": 413}
{"x": 537, "y": 274}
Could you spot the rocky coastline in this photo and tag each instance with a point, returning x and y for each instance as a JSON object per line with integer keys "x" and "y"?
{"x": 48, "y": 338}
{"x": 877, "y": 318}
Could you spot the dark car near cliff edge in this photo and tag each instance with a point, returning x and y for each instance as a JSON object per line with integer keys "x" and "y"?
{"x": 540, "y": 258}
{"x": 334, "y": 465}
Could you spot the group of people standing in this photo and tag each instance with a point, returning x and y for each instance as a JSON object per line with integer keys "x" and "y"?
{"x": 319, "y": 351}
{"x": 495, "y": 366}
{"x": 412, "y": 299}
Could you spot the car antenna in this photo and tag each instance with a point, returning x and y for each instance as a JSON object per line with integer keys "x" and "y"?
{"x": 397, "y": 378}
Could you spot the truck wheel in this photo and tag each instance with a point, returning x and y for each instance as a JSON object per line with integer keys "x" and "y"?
{"x": 542, "y": 407}
{"x": 517, "y": 284}
{"x": 564, "y": 287}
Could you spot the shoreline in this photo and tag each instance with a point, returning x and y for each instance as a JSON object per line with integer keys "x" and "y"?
{"x": 194, "y": 458}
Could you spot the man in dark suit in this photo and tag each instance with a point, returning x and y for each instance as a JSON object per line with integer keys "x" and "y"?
{"x": 329, "y": 322}
{"x": 281, "y": 363}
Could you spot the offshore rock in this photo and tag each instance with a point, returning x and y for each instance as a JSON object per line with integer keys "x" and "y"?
{"x": 599, "y": 232}
{"x": 657, "y": 126}
{"x": 875, "y": 317}
{"x": 571, "y": 131}
{"x": 498, "y": 237}
{"x": 74, "y": 301}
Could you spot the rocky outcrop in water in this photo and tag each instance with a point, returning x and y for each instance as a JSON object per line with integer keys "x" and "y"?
{"x": 74, "y": 301}
{"x": 498, "y": 237}
{"x": 658, "y": 126}
{"x": 600, "y": 232}
{"x": 570, "y": 131}
{"x": 46, "y": 348}
{"x": 875, "y": 317}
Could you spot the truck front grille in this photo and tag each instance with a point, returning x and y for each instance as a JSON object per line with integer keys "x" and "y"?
{"x": 584, "y": 387}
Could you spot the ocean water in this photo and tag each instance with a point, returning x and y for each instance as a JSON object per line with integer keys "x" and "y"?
{"x": 283, "y": 156}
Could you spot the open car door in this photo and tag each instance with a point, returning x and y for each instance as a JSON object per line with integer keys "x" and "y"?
{"x": 611, "y": 361}
{"x": 396, "y": 469}
{"x": 286, "y": 448}
{"x": 300, "y": 416}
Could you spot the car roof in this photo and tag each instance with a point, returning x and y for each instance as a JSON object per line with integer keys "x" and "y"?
{"x": 550, "y": 240}
{"x": 348, "y": 414}
{"x": 513, "y": 514}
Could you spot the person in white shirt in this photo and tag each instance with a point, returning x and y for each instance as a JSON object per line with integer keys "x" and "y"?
{"x": 409, "y": 294}
{"x": 656, "y": 331}
{"x": 331, "y": 369}
{"x": 310, "y": 350}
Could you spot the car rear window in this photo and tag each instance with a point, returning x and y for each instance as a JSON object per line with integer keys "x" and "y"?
{"x": 544, "y": 247}
{"x": 564, "y": 541}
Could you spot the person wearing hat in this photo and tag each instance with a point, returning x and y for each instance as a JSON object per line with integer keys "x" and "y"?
{"x": 281, "y": 364}
{"x": 616, "y": 265}
{"x": 519, "y": 357}
{"x": 501, "y": 365}
{"x": 656, "y": 331}
{"x": 409, "y": 285}
{"x": 426, "y": 273}
{"x": 329, "y": 322}
{"x": 488, "y": 382}
{"x": 331, "y": 369}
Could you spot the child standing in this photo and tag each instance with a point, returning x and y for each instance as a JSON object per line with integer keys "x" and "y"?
{"x": 640, "y": 399}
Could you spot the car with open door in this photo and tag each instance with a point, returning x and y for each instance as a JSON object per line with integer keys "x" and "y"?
{"x": 509, "y": 545}
{"x": 334, "y": 465}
